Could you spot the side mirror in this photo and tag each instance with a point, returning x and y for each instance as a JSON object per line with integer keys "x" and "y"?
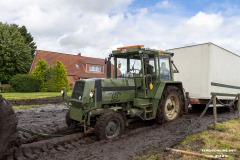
{"x": 175, "y": 71}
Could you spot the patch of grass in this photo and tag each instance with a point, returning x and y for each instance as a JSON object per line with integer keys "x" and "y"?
{"x": 12, "y": 96}
{"x": 149, "y": 155}
{"x": 233, "y": 121}
{"x": 219, "y": 126}
{"x": 190, "y": 139}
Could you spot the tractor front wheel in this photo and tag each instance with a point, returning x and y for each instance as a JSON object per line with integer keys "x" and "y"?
{"x": 170, "y": 105}
{"x": 109, "y": 125}
{"x": 70, "y": 123}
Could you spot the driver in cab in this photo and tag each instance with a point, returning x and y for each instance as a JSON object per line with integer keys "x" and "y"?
{"x": 165, "y": 74}
{"x": 148, "y": 68}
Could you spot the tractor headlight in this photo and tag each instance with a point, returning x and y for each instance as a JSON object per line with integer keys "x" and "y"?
{"x": 91, "y": 94}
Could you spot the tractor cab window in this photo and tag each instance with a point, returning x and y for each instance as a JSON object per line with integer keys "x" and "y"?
{"x": 165, "y": 68}
{"x": 149, "y": 64}
{"x": 150, "y": 69}
{"x": 128, "y": 67}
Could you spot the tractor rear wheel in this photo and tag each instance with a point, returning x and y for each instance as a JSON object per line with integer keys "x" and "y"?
{"x": 170, "y": 105}
{"x": 109, "y": 125}
{"x": 8, "y": 128}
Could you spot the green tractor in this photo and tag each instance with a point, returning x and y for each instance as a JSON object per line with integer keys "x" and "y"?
{"x": 143, "y": 88}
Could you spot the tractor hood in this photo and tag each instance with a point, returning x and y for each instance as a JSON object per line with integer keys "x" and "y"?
{"x": 105, "y": 90}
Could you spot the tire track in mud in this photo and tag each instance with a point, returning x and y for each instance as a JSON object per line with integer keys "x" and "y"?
{"x": 49, "y": 119}
{"x": 140, "y": 136}
{"x": 32, "y": 150}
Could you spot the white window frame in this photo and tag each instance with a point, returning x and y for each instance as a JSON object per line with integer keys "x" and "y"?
{"x": 94, "y": 68}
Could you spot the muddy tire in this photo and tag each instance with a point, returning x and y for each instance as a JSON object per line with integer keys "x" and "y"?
{"x": 109, "y": 126}
{"x": 8, "y": 128}
{"x": 170, "y": 105}
{"x": 70, "y": 123}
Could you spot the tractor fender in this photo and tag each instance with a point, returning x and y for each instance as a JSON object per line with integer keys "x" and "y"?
{"x": 162, "y": 85}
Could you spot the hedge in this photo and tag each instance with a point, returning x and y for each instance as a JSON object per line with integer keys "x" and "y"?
{"x": 25, "y": 83}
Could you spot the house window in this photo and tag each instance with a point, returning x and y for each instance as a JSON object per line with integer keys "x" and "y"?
{"x": 95, "y": 68}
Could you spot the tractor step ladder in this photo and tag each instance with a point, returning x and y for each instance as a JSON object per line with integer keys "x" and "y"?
{"x": 148, "y": 111}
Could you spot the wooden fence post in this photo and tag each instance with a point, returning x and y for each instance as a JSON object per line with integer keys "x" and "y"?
{"x": 186, "y": 102}
{"x": 215, "y": 110}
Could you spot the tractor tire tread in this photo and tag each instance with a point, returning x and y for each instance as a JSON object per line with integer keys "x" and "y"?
{"x": 160, "y": 115}
{"x": 102, "y": 121}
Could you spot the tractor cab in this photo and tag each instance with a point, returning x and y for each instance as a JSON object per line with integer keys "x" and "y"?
{"x": 147, "y": 67}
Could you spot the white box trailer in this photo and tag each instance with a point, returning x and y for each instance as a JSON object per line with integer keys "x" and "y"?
{"x": 207, "y": 69}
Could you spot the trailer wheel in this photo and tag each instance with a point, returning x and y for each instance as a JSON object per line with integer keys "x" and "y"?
{"x": 109, "y": 125}
{"x": 170, "y": 105}
{"x": 8, "y": 128}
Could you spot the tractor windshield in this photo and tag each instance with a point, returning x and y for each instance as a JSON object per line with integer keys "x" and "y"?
{"x": 128, "y": 67}
{"x": 131, "y": 66}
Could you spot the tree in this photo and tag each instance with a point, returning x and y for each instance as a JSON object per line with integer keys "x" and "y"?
{"x": 53, "y": 78}
{"x": 15, "y": 54}
{"x": 58, "y": 78}
{"x": 41, "y": 72}
{"x": 28, "y": 39}
{"x": 61, "y": 76}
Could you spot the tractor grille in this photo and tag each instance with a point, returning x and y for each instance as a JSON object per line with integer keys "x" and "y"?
{"x": 78, "y": 90}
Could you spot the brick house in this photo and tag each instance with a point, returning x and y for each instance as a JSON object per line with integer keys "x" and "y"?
{"x": 77, "y": 66}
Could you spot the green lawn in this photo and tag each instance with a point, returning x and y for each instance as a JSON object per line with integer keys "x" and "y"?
{"x": 11, "y": 96}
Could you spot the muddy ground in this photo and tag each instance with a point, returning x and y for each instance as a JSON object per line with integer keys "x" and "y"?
{"x": 36, "y": 101}
{"x": 139, "y": 137}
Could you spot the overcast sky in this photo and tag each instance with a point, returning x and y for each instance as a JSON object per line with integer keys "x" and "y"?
{"x": 95, "y": 27}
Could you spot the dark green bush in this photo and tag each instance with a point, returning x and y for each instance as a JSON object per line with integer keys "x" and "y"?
{"x": 25, "y": 83}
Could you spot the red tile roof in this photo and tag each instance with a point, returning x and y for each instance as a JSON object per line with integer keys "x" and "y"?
{"x": 70, "y": 61}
